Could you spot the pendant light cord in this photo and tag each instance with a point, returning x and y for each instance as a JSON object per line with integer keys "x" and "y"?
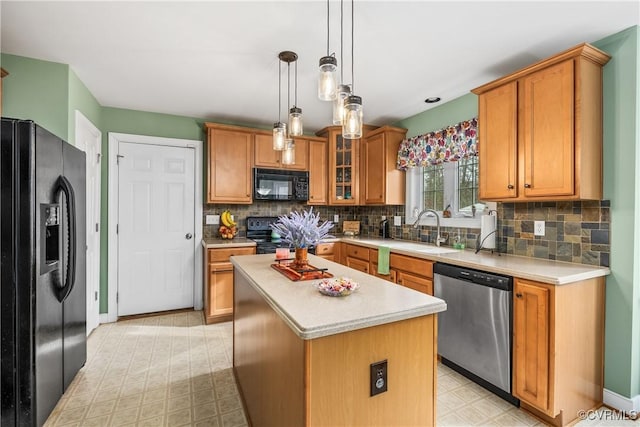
{"x": 288, "y": 86}
{"x": 295, "y": 100}
{"x": 327, "y": 27}
{"x": 353, "y": 83}
{"x": 279, "y": 88}
{"x": 341, "y": 42}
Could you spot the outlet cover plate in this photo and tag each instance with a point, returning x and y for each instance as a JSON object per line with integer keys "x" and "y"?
{"x": 335, "y": 218}
{"x": 378, "y": 377}
{"x": 538, "y": 228}
{"x": 212, "y": 219}
{"x": 397, "y": 221}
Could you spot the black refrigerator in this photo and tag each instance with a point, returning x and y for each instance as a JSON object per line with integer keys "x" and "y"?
{"x": 43, "y": 293}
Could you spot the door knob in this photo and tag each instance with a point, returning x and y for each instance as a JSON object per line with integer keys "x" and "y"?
{"x": 188, "y": 236}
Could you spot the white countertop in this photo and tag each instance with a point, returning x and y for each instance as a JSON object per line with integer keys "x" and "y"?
{"x": 313, "y": 315}
{"x": 236, "y": 242}
{"x": 541, "y": 270}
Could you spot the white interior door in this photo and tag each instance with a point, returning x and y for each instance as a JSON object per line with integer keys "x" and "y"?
{"x": 89, "y": 140}
{"x": 156, "y": 251}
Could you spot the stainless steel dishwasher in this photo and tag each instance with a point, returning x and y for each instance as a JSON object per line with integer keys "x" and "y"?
{"x": 474, "y": 333}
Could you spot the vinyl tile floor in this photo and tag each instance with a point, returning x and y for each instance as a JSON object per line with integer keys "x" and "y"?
{"x": 172, "y": 370}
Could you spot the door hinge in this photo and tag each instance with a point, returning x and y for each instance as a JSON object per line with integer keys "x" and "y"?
{"x": 98, "y": 155}
{"x": 96, "y": 295}
{"x": 117, "y": 228}
{"x": 97, "y": 227}
{"x": 118, "y": 157}
{"x": 117, "y": 295}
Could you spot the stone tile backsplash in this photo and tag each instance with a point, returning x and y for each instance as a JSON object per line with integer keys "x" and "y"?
{"x": 575, "y": 231}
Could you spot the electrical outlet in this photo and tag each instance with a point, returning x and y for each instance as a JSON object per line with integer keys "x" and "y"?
{"x": 397, "y": 221}
{"x": 335, "y": 218}
{"x": 383, "y": 217}
{"x": 212, "y": 219}
{"x": 378, "y": 377}
{"x": 538, "y": 228}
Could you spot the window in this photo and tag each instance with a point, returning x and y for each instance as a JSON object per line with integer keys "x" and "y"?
{"x": 452, "y": 185}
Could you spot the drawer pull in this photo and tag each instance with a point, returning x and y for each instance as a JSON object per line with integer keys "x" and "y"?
{"x": 510, "y": 187}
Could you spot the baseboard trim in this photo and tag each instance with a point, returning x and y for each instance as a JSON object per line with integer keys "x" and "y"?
{"x": 619, "y": 402}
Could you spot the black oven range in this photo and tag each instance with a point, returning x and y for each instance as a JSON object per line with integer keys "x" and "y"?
{"x": 259, "y": 230}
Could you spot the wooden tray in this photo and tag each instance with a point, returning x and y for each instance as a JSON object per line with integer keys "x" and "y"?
{"x": 353, "y": 226}
{"x": 309, "y": 273}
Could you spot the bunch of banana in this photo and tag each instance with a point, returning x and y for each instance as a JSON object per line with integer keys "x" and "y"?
{"x": 226, "y": 219}
{"x": 229, "y": 228}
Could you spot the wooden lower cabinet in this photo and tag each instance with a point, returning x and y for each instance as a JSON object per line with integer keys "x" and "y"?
{"x": 326, "y": 250}
{"x": 357, "y": 257}
{"x": 218, "y": 283}
{"x": 417, "y": 283}
{"x": 558, "y": 348}
{"x": 414, "y": 273}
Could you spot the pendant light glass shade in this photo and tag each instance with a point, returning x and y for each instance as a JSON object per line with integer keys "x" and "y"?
{"x": 279, "y": 135}
{"x": 289, "y": 154}
{"x": 327, "y": 79}
{"x": 352, "y": 122}
{"x": 295, "y": 121}
{"x": 338, "y": 104}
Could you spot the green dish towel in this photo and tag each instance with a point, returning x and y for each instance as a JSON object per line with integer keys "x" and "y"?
{"x": 383, "y": 259}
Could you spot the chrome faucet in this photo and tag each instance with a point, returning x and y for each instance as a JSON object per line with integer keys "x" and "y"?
{"x": 439, "y": 239}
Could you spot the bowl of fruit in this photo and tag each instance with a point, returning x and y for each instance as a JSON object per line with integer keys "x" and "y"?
{"x": 337, "y": 287}
{"x": 228, "y": 228}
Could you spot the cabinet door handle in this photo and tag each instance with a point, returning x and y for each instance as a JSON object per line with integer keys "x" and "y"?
{"x": 527, "y": 186}
{"x": 510, "y": 187}
{"x": 518, "y": 295}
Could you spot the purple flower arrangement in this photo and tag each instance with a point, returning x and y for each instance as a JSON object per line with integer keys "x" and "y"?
{"x": 302, "y": 230}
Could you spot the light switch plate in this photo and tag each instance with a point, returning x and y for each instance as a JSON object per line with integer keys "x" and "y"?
{"x": 397, "y": 221}
{"x": 212, "y": 219}
{"x": 538, "y": 228}
{"x": 335, "y": 218}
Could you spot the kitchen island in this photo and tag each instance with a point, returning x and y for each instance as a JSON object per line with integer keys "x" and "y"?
{"x": 302, "y": 358}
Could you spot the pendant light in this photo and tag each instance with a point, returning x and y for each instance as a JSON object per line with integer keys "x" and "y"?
{"x": 288, "y": 155}
{"x": 279, "y": 128}
{"x": 352, "y": 122}
{"x": 295, "y": 113}
{"x": 327, "y": 77}
{"x": 344, "y": 90}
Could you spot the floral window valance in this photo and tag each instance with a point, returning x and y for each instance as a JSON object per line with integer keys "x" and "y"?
{"x": 445, "y": 145}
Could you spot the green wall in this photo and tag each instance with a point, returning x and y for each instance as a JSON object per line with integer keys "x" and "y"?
{"x": 82, "y": 100}
{"x": 454, "y": 111}
{"x": 621, "y": 180}
{"x": 36, "y": 90}
{"x": 50, "y": 92}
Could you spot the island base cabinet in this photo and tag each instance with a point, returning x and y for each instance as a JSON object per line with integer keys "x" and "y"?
{"x": 558, "y": 348}
{"x": 287, "y": 381}
{"x": 338, "y": 392}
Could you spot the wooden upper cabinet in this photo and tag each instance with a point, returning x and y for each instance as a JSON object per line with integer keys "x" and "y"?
{"x": 318, "y": 182}
{"x": 499, "y": 107}
{"x": 344, "y": 165}
{"x": 540, "y": 130}
{"x": 264, "y": 154}
{"x": 382, "y": 182}
{"x": 547, "y": 131}
{"x": 230, "y": 156}
{"x": 267, "y": 157}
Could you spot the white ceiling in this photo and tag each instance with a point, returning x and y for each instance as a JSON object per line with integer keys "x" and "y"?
{"x": 217, "y": 60}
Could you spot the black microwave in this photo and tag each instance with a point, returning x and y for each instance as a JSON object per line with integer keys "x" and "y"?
{"x": 277, "y": 184}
